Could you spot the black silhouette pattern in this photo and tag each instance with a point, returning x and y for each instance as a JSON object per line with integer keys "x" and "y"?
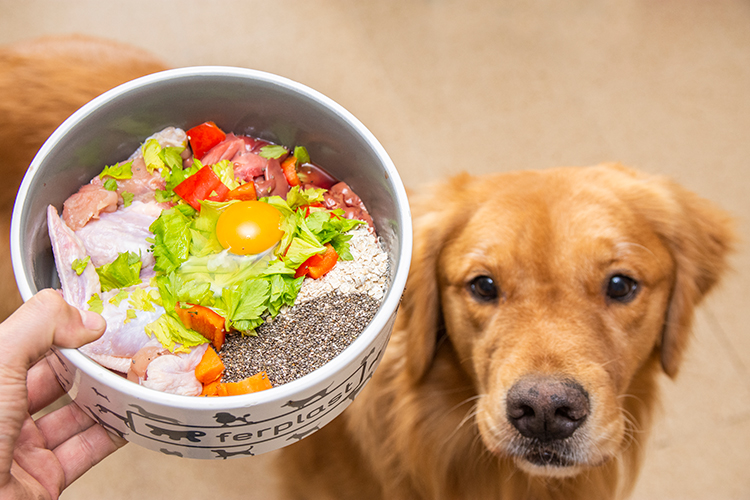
{"x": 174, "y": 435}
{"x": 225, "y": 418}
{"x": 224, "y": 454}
{"x": 299, "y": 435}
{"x": 171, "y": 452}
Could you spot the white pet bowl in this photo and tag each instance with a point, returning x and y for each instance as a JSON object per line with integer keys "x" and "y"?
{"x": 109, "y": 129}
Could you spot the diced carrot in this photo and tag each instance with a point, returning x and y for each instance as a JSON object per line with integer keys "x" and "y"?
{"x": 211, "y": 389}
{"x": 289, "y": 167}
{"x": 204, "y": 321}
{"x": 245, "y": 192}
{"x": 209, "y": 368}
{"x": 255, "y": 383}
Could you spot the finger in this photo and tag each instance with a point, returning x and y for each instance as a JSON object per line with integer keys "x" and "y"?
{"x": 86, "y": 449}
{"x": 60, "y": 425}
{"x": 42, "y": 386}
{"x": 25, "y": 336}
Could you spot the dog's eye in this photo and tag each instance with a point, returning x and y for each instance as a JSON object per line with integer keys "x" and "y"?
{"x": 483, "y": 288}
{"x": 621, "y": 288}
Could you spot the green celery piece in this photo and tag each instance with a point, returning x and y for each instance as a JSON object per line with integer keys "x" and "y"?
{"x": 127, "y": 198}
{"x": 246, "y": 303}
{"x": 79, "y": 265}
{"x": 151, "y": 158}
{"x": 170, "y": 156}
{"x": 118, "y": 171}
{"x": 300, "y": 152}
{"x": 110, "y": 185}
{"x": 273, "y": 151}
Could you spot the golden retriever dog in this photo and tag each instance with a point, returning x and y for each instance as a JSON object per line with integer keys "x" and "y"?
{"x": 539, "y": 311}
{"x": 42, "y": 82}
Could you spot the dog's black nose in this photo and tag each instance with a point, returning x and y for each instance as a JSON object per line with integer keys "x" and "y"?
{"x": 547, "y": 408}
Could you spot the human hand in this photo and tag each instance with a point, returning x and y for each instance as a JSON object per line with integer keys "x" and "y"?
{"x": 40, "y": 459}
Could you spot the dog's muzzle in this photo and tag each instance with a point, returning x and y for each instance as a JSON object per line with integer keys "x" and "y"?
{"x": 546, "y": 411}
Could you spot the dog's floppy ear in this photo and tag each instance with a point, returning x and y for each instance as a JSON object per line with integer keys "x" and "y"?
{"x": 437, "y": 217}
{"x": 699, "y": 236}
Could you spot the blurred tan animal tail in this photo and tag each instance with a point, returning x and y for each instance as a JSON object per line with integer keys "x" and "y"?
{"x": 42, "y": 82}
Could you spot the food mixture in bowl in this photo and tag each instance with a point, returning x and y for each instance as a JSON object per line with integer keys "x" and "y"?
{"x": 223, "y": 264}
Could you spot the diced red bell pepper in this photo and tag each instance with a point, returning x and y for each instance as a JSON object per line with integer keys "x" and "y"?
{"x": 311, "y": 205}
{"x": 245, "y": 192}
{"x": 289, "y": 167}
{"x": 318, "y": 265}
{"x": 203, "y": 137}
{"x": 199, "y": 186}
{"x": 204, "y": 321}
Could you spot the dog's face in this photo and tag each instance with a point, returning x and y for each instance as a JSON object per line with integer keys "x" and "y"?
{"x": 555, "y": 288}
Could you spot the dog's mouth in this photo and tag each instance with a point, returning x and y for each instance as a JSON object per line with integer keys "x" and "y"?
{"x": 547, "y": 455}
{"x": 558, "y": 458}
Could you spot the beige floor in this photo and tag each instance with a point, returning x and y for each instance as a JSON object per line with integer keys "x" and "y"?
{"x": 489, "y": 85}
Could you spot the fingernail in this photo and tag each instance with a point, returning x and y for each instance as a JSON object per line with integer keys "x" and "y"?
{"x": 92, "y": 320}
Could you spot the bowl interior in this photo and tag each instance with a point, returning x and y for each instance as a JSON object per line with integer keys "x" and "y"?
{"x": 112, "y": 126}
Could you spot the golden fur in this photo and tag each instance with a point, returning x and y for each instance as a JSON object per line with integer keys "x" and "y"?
{"x": 432, "y": 422}
{"x": 42, "y": 82}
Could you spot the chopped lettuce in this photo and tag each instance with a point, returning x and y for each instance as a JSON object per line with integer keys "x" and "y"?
{"x": 79, "y": 265}
{"x": 119, "y": 297}
{"x": 225, "y": 171}
{"x": 130, "y": 314}
{"x": 297, "y": 197}
{"x": 95, "y": 303}
{"x": 174, "y": 288}
{"x": 170, "y": 331}
{"x": 124, "y": 271}
{"x": 118, "y": 171}
{"x": 142, "y": 300}
{"x": 171, "y": 241}
{"x": 203, "y": 228}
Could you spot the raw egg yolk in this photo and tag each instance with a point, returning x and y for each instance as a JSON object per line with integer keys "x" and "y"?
{"x": 249, "y": 227}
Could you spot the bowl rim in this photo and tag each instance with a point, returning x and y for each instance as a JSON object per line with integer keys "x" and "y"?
{"x": 285, "y": 391}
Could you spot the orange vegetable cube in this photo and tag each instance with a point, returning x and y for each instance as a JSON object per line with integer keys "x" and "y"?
{"x": 209, "y": 368}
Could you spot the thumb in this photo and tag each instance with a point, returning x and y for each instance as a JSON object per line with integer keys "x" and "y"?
{"x": 44, "y": 320}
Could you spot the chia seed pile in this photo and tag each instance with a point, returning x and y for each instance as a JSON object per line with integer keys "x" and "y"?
{"x": 329, "y": 314}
